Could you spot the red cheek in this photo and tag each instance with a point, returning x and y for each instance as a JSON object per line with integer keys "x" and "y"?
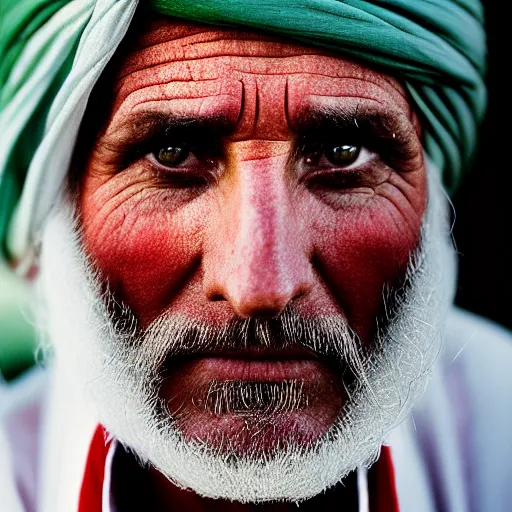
{"x": 356, "y": 255}
{"x": 146, "y": 263}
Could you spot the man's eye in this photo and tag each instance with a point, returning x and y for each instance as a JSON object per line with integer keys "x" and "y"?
{"x": 342, "y": 155}
{"x": 333, "y": 165}
{"x": 181, "y": 165}
{"x": 334, "y": 154}
{"x": 171, "y": 156}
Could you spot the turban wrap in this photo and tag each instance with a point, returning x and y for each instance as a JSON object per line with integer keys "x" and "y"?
{"x": 53, "y": 52}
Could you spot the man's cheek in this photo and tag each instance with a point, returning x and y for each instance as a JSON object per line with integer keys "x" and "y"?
{"x": 148, "y": 258}
{"x": 357, "y": 253}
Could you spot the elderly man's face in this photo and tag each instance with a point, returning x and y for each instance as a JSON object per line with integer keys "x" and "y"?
{"x": 239, "y": 177}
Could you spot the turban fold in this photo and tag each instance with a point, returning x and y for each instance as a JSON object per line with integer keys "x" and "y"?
{"x": 53, "y": 52}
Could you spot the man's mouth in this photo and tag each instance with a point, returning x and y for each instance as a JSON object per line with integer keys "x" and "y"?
{"x": 256, "y": 398}
{"x": 256, "y": 378}
{"x": 263, "y": 364}
{"x": 254, "y": 386}
{"x": 264, "y": 370}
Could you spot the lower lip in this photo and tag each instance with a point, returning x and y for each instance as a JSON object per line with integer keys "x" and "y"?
{"x": 263, "y": 370}
{"x": 187, "y": 382}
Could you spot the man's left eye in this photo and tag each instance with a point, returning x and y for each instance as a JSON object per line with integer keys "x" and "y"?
{"x": 335, "y": 154}
{"x": 343, "y": 155}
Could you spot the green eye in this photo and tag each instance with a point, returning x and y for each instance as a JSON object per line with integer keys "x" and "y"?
{"x": 171, "y": 156}
{"x": 342, "y": 155}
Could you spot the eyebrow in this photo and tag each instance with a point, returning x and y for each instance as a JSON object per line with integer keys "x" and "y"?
{"x": 130, "y": 139}
{"x": 146, "y": 125}
{"x": 360, "y": 116}
{"x": 387, "y": 130}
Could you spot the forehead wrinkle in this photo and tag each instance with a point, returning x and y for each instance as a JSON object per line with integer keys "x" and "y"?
{"x": 253, "y": 46}
{"x": 173, "y": 51}
{"x": 261, "y": 119}
{"x": 348, "y": 87}
{"x": 248, "y": 109}
{"x": 144, "y": 46}
{"x": 162, "y": 74}
{"x": 178, "y": 69}
{"x": 186, "y": 73}
{"x": 396, "y": 84}
{"x": 242, "y": 104}
{"x": 161, "y": 28}
{"x": 182, "y": 90}
{"x": 189, "y": 107}
{"x": 214, "y": 55}
{"x": 344, "y": 81}
{"x": 129, "y": 87}
{"x": 286, "y": 106}
{"x": 171, "y": 90}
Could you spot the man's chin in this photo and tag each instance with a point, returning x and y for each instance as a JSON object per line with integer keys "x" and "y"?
{"x": 256, "y": 435}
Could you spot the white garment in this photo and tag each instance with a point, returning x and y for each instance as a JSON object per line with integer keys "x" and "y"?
{"x": 453, "y": 454}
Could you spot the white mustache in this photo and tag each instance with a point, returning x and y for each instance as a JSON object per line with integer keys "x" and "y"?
{"x": 169, "y": 337}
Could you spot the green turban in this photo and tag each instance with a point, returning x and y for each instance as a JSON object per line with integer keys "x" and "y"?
{"x": 53, "y": 52}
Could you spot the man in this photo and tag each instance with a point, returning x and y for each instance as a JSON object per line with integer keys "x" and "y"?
{"x": 243, "y": 255}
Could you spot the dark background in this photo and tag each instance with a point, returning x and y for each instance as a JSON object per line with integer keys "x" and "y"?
{"x": 483, "y": 203}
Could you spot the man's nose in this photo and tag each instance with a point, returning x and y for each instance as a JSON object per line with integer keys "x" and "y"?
{"x": 258, "y": 254}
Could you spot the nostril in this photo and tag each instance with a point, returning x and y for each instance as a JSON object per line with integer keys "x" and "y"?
{"x": 216, "y": 297}
{"x": 214, "y": 293}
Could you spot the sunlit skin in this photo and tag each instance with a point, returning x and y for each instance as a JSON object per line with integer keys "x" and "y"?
{"x": 250, "y": 222}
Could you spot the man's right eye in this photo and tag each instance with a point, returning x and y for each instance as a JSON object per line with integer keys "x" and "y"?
{"x": 180, "y": 165}
{"x": 171, "y": 156}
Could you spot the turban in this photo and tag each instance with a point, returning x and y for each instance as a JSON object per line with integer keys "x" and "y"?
{"x": 53, "y": 52}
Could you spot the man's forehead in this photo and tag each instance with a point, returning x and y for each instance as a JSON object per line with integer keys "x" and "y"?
{"x": 154, "y": 41}
{"x": 165, "y": 38}
{"x": 186, "y": 69}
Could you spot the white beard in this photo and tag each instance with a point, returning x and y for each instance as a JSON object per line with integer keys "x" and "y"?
{"x": 122, "y": 385}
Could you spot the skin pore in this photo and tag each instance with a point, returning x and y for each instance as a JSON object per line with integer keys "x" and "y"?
{"x": 235, "y": 175}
